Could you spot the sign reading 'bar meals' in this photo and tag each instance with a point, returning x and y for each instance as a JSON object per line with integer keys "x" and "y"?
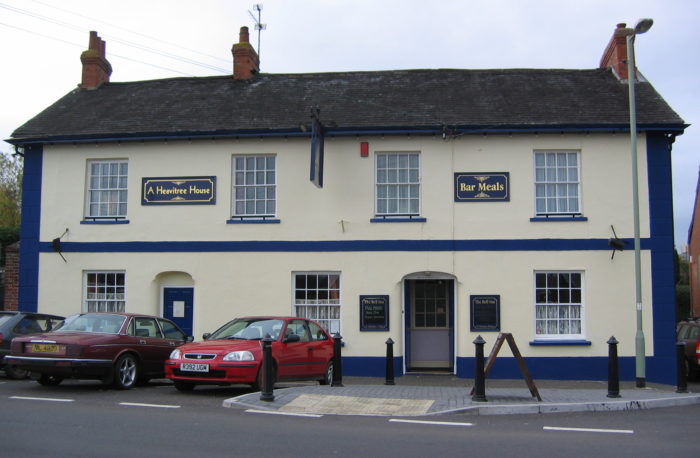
{"x": 178, "y": 190}
{"x": 482, "y": 187}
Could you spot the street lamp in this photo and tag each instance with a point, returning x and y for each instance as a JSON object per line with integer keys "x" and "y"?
{"x": 642, "y": 26}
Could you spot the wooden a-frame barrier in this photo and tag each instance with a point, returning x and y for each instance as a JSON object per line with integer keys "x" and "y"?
{"x": 518, "y": 357}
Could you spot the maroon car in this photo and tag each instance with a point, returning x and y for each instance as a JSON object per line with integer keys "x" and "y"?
{"x": 302, "y": 350}
{"x": 117, "y": 348}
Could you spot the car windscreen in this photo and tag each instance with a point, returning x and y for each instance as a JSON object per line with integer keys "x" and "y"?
{"x": 102, "y": 323}
{"x": 249, "y": 329}
{"x": 5, "y": 317}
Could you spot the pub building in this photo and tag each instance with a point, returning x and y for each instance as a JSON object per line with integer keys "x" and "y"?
{"x": 425, "y": 206}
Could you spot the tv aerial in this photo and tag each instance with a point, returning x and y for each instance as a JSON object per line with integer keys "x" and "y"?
{"x": 258, "y": 25}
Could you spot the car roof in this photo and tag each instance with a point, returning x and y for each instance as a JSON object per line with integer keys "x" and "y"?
{"x": 16, "y": 312}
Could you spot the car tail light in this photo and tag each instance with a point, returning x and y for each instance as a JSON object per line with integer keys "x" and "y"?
{"x": 697, "y": 351}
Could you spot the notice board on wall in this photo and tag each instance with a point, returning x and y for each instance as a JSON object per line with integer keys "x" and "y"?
{"x": 374, "y": 313}
{"x": 485, "y": 312}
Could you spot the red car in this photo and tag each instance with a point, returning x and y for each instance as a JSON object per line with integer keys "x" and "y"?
{"x": 302, "y": 350}
{"x": 117, "y": 348}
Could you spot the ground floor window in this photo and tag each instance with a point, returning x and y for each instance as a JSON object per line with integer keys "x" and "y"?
{"x": 104, "y": 291}
{"x": 558, "y": 304}
{"x": 317, "y": 297}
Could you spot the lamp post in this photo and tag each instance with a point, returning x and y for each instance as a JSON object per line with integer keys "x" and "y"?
{"x": 642, "y": 26}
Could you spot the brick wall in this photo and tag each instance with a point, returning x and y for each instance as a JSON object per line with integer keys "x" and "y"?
{"x": 11, "y": 277}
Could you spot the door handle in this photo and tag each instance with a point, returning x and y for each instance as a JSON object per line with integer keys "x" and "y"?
{"x": 142, "y": 342}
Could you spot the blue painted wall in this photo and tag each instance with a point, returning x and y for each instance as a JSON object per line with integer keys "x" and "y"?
{"x": 29, "y": 231}
{"x": 661, "y": 367}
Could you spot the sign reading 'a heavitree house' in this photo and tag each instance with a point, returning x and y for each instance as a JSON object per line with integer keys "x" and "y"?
{"x": 178, "y": 190}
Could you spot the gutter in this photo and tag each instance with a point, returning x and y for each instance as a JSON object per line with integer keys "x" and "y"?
{"x": 445, "y": 131}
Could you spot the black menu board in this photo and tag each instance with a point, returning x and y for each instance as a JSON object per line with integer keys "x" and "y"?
{"x": 374, "y": 313}
{"x": 485, "y": 312}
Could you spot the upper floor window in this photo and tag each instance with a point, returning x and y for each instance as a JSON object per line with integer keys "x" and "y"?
{"x": 104, "y": 291}
{"x": 254, "y": 186}
{"x": 107, "y": 189}
{"x": 397, "y": 184}
{"x": 557, "y": 183}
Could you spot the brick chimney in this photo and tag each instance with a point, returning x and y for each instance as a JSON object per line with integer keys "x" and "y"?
{"x": 245, "y": 60}
{"x": 96, "y": 68}
{"x": 615, "y": 55}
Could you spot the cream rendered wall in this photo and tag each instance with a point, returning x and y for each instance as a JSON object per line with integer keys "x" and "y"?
{"x": 237, "y": 284}
{"x": 309, "y": 213}
{"x": 228, "y": 285}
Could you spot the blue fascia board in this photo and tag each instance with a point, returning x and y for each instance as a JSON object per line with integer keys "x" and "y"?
{"x": 353, "y": 131}
{"x": 336, "y": 246}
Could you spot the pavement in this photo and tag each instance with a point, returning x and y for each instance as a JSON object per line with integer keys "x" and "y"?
{"x": 431, "y": 394}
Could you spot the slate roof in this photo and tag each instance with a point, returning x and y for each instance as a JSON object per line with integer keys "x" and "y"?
{"x": 473, "y": 100}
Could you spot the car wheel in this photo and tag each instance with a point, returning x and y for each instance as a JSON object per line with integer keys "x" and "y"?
{"x": 183, "y": 387}
{"x": 15, "y": 372}
{"x": 125, "y": 372}
{"x": 49, "y": 380}
{"x": 328, "y": 376}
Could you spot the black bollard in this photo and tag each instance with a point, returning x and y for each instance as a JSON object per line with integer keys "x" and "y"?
{"x": 613, "y": 369}
{"x": 681, "y": 365}
{"x": 266, "y": 393}
{"x": 337, "y": 361}
{"x": 389, "y": 362}
{"x": 479, "y": 379}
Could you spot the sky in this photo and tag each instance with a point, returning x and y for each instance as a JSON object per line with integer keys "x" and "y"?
{"x": 150, "y": 39}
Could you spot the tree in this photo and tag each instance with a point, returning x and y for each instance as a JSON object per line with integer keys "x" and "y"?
{"x": 10, "y": 190}
{"x": 11, "y": 169}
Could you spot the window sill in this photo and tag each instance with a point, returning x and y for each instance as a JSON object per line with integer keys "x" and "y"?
{"x": 105, "y": 221}
{"x": 254, "y": 221}
{"x": 558, "y": 219}
{"x": 410, "y": 219}
{"x": 580, "y": 342}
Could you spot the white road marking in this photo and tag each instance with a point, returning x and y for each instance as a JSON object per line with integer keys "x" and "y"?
{"x": 138, "y": 404}
{"x": 589, "y": 430}
{"x": 423, "y": 422}
{"x": 289, "y": 414}
{"x": 27, "y": 398}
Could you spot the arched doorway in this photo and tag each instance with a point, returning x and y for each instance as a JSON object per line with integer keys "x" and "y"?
{"x": 177, "y": 299}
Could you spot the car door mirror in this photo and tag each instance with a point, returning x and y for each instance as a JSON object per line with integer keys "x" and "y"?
{"x": 292, "y": 338}
{"x": 206, "y": 335}
{"x": 189, "y": 339}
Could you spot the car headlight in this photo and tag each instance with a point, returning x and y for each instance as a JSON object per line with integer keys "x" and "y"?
{"x": 239, "y": 356}
{"x": 175, "y": 354}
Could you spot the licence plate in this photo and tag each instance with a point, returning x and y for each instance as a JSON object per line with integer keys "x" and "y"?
{"x": 44, "y": 348}
{"x": 192, "y": 367}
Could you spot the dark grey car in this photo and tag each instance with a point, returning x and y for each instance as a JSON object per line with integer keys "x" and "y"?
{"x": 14, "y": 324}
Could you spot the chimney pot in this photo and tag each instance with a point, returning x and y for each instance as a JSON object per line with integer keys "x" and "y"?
{"x": 244, "y": 36}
